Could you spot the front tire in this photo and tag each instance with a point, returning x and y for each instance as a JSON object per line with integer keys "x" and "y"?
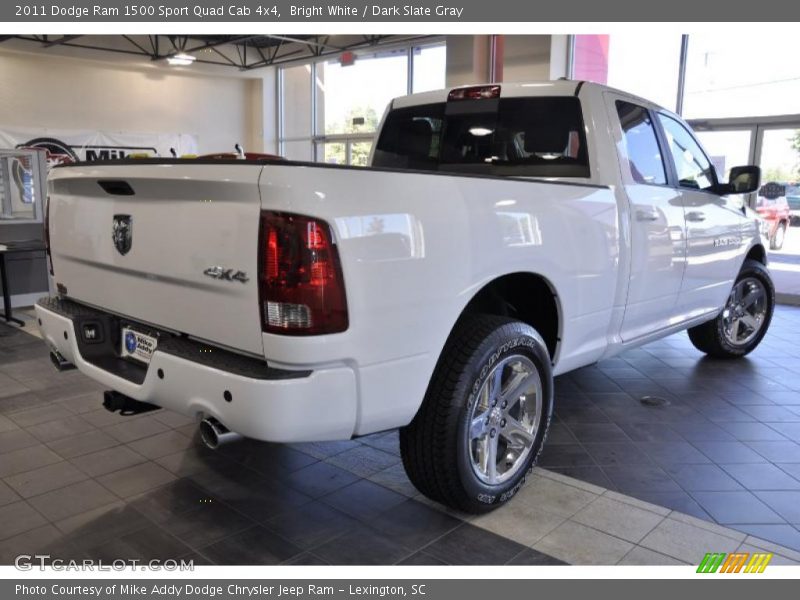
{"x": 776, "y": 243}
{"x": 744, "y": 320}
{"x": 485, "y": 415}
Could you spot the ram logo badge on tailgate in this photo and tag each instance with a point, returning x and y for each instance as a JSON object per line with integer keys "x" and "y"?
{"x": 226, "y": 274}
{"x": 122, "y": 233}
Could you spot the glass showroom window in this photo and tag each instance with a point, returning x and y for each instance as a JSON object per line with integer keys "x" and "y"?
{"x": 354, "y": 97}
{"x": 733, "y": 76}
{"x": 645, "y": 64}
{"x": 429, "y": 68}
{"x": 349, "y": 101}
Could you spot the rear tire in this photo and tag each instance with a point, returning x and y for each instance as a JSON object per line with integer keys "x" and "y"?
{"x": 745, "y": 319}
{"x": 485, "y": 415}
{"x": 776, "y": 242}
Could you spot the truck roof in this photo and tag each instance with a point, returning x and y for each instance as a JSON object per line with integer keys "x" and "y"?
{"x": 560, "y": 87}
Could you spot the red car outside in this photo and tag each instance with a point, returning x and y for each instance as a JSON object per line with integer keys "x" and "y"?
{"x": 773, "y": 207}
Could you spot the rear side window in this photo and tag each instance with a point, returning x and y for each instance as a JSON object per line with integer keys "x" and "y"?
{"x": 524, "y": 137}
{"x": 641, "y": 144}
{"x": 691, "y": 164}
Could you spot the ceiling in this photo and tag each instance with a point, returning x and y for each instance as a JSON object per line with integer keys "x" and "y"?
{"x": 239, "y": 53}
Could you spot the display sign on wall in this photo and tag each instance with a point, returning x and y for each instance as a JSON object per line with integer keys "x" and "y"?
{"x": 67, "y": 146}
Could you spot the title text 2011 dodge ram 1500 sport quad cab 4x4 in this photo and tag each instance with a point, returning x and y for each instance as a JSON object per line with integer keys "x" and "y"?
{"x": 503, "y": 234}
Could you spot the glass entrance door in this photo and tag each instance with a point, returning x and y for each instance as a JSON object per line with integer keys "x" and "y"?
{"x": 773, "y": 143}
{"x": 778, "y": 203}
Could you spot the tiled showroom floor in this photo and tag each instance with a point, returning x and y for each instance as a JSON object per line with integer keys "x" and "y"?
{"x": 77, "y": 481}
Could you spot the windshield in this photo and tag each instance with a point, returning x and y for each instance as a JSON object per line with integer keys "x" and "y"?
{"x": 524, "y": 137}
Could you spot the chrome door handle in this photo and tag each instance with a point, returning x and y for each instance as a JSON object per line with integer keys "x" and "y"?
{"x": 646, "y": 215}
{"x": 695, "y": 216}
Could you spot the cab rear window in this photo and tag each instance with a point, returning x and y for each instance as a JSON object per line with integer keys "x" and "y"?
{"x": 523, "y": 137}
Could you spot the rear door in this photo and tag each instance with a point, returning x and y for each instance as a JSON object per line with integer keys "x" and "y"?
{"x": 713, "y": 224}
{"x": 173, "y": 245}
{"x": 657, "y": 228}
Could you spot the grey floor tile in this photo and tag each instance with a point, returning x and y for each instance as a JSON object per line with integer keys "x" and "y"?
{"x": 642, "y": 556}
{"x": 565, "y": 455}
{"x": 619, "y": 519}
{"x": 709, "y": 478}
{"x": 132, "y": 429}
{"x": 729, "y": 452}
{"x": 731, "y": 508}
{"x": 589, "y": 474}
{"x": 552, "y": 496}
{"x": 396, "y": 479}
{"x": 39, "y": 414}
{"x": 680, "y": 501}
{"x": 364, "y": 500}
{"x": 18, "y": 517}
{"x": 311, "y": 525}
{"x": 686, "y": 542}
{"x": 617, "y": 453}
{"x": 161, "y": 444}
{"x": 756, "y": 477}
{"x": 16, "y": 439}
{"x": 578, "y": 544}
{"x": 44, "y": 479}
{"x": 46, "y": 539}
{"x": 207, "y": 524}
{"x": 781, "y": 451}
{"x": 414, "y": 524}
{"x": 753, "y": 432}
{"x": 7, "y": 495}
{"x": 171, "y": 499}
{"x": 420, "y": 559}
{"x": 785, "y": 535}
{"x": 71, "y": 500}
{"x": 641, "y": 478}
{"x": 83, "y": 443}
{"x": 320, "y": 479}
{"x": 27, "y": 459}
{"x": 107, "y": 461}
{"x": 785, "y": 503}
{"x": 362, "y": 546}
{"x": 254, "y": 546}
{"x": 145, "y": 544}
{"x": 363, "y": 460}
{"x": 97, "y": 526}
{"x": 470, "y": 545}
{"x": 136, "y": 479}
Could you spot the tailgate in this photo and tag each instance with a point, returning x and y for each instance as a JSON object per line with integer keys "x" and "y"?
{"x": 159, "y": 243}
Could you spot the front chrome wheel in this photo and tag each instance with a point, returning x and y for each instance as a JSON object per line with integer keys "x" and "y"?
{"x": 745, "y": 313}
{"x": 505, "y": 419}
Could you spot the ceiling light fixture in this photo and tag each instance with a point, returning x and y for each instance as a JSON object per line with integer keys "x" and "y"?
{"x": 181, "y": 59}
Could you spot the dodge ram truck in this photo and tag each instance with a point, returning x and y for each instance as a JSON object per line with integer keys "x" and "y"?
{"x": 502, "y": 234}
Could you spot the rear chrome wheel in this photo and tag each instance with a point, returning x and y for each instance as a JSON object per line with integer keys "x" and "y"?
{"x": 505, "y": 419}
{"x": 485, "y": 415}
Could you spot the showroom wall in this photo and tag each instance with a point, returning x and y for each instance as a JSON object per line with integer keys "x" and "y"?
{"x": 45, "y": 91}
{"x": 38, "y": 90}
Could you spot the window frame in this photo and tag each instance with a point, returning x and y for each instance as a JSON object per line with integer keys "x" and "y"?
{"x": 672, "y": 166}
{"x": 668, "y": 170}
{"x": 318, "y": 139}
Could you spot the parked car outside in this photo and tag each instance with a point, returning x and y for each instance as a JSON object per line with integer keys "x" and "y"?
{"x": 773, "y": 207}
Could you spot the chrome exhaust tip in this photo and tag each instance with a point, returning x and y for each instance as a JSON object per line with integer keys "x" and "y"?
{"x": 59, "y": 362}
{"x": 214, "y": 434}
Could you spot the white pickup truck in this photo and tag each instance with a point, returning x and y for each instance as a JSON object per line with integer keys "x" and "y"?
{"x": 502, "y": 235}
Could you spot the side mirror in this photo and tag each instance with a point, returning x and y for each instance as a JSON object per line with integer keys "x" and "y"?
{"x": 743, "y": 180}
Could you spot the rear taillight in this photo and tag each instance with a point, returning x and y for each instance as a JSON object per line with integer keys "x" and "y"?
{"x": 47, "y": 234}
{"x": 301, "y": 289}
{"x": 476, "y": 92}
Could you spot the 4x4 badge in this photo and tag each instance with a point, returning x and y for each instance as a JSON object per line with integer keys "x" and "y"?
{"x": 226, "y": 274}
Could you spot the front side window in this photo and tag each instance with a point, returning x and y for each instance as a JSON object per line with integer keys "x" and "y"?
{"x": 691, "y": 163}
{"x": 641, "y": 144}
{"x": 524, "y": 137}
